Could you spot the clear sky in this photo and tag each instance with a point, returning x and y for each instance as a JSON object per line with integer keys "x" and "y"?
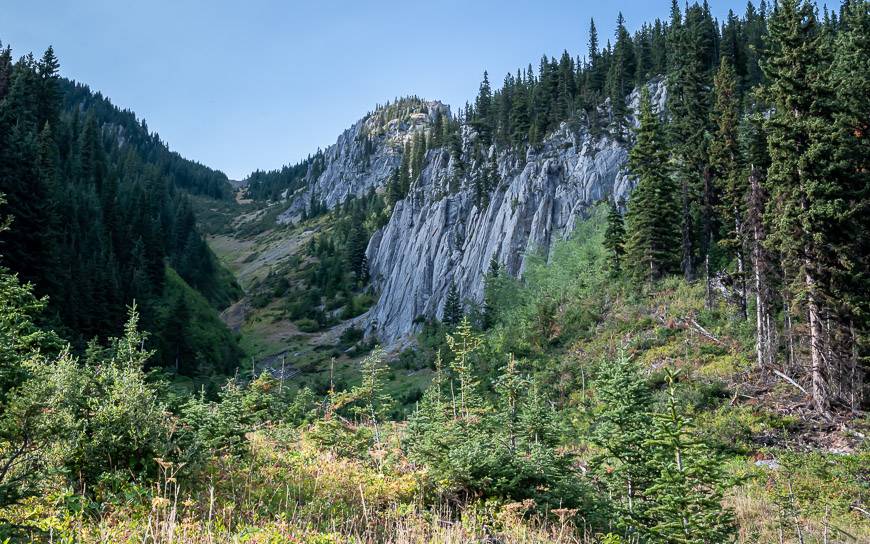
{"x": 241, "y": 85}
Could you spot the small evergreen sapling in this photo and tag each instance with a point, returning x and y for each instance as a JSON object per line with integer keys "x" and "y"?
{"x": 685, "y": 498}
{"x": 622, "y": 424}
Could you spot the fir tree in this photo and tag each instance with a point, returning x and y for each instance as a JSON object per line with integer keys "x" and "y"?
{"x": 620, "y": 78}
{"x": 688, "y": 107}
{"x": 482, "y": 120}
{"x": 651, "y": 238}
{"x": 520, "y": 122}
{"x": 464, "y": 343}
{"x": 686, "y": 495}
{"x": 614, "y": 238}
{"x": 595, "y": 74}
{"x": 850, "y": 232}
{"x": 725, "y": 165}
{"x": 428, "y": 426}
{"x": 490, "y": 311}
{"x": 815, "y": 228}
{"x": 394, "y": 189}
{"x": 622, "y": 423}
{"x": 373, "y": 403}
{"x": 453, "y": 311}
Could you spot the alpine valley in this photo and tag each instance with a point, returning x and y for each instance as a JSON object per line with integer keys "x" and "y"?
{"x": 620, "y": 298}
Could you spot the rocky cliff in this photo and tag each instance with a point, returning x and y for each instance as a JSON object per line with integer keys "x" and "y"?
{"x": 443, "y": 231}
{"x": 435, "y": 236}
{"x": 365, "y": 154}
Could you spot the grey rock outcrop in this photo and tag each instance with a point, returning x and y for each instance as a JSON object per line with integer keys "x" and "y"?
{"x": 439, "y": 232}
{"x": 436, "y": 236}
{"x": 364, "y": 155}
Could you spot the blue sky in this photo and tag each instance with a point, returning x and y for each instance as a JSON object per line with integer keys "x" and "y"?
{"x": 241, "y": 85}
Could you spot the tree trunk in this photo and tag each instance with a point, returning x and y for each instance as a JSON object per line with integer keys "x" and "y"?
{"x": 820, "y": 392}
{"x": 688, "y": 269}
{"x": 856, "y": 381}
{"x": 763, "y": 321}
{"x": 741, "y": 266}
{"x": 789, "y": 329}
{"x": 708, "y": 235}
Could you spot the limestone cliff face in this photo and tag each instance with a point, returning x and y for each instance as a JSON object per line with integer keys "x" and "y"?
{"x": 436, "y": 236}
{"x": 443, "y": 231}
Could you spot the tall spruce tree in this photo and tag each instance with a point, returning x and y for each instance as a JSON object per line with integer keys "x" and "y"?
{"x": 688, "y": 107}
{"x": 652, "y": 221}
{"x": 850, "y": 235}
{"x": 490, "y": 311}
{"x": 482, "y": 120}
{"x": 811, "y": 195}
{"x": 727, "y": 173}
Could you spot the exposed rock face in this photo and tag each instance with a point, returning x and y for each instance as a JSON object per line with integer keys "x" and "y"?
{"x": 435, "y": 237}
{"x": 366, "y": 154}
{"x": 439, "y": 233}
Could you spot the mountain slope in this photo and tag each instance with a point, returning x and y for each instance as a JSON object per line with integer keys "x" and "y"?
{"x": 101, "y": 216}
{"x": 468, "y": 203}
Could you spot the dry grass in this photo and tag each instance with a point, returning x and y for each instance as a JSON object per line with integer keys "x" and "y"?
{"x": 288, "y": 492}
{"x": 290, "y": 488}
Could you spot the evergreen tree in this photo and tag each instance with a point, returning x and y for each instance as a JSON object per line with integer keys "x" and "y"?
{"x": 686, "y": 494}
{"x": 850, "y": 233}
{"x": 463, "y": 343}
{"x": 373, "y": 402}
{"x": 5, "y": 70}
{"x": 428, "y": 427}
{"x": 651, "y": 239}
{"x": 437, "y": 132}
{"x": 177, "y": 352}
{"x": 725, "y": 165}
{"x": 622, "y": 424}
{"x": 688, "y": 106}
{"x": 394, "y": 189}
{"x": 48, "y": 94}
{"x": 815, "y": 229}
{"x": 614, "y": 238}
{"x": 453, "y": 311}
{"x": 482, "y": 119}
{"x": 520, "y": 122}
{"x": 490, "y": 311}
{"x": 595, "y": 74}
{"x": 620, "y": 78}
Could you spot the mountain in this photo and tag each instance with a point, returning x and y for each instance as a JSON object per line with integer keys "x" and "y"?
{"x": 620, "y": 299}
{"x": 447, "y": 229}
{"x": 436, "y": 236}
{"x": 365, "y": 155}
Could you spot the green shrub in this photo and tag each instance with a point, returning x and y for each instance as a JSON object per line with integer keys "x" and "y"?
{"x": 351, "y": 335}
{"x": 105, "y": 416}
{"x": 308, "y": 325}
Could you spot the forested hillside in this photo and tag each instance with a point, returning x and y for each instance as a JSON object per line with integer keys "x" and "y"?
{"x": 100, "y": 214}
{"x": 623, "y": 299}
